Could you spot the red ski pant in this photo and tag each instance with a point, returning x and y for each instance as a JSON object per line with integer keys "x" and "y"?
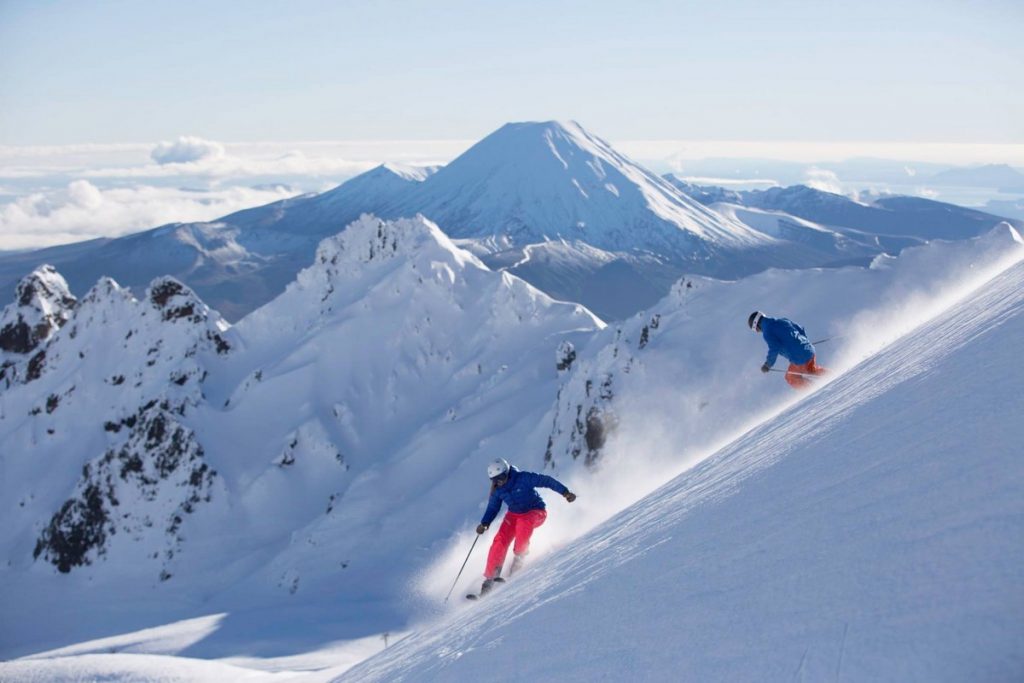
{"x": 517, "y": 525}
{"x": 796, "y": 375}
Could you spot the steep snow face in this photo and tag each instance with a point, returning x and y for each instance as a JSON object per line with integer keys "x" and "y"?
{"x": 157, "y": 450}
{"x": 41, "y": 306}
{"x": 690, "y": 361}
{"x": 872, "y": 531}
{"x": 534, "y": 182}
{"x": 385, "y": 373}
{"x": 93, "y": 438}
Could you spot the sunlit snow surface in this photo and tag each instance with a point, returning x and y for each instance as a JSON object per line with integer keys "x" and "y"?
{"x": 872, "y": 531}
{"x": 836, "y": 534}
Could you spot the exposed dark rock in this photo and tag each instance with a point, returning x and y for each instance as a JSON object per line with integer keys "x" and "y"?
{"x": 42, "y": 305}
{"x": 17, "y": 337}
{"x": 159, "y": 459}
{"x": 162, "y": 292}
{"x": 565, "y": 356}
{"x": 35, "y": 366}
{"x": 79, "y": 526}
{"x": 174, "y": 300}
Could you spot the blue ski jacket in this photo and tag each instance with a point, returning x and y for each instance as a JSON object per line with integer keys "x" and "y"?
{"x": 784, "y": 337}
{"x": 520, "y": 493}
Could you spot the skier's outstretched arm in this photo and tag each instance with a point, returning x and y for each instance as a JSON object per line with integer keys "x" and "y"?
{"x": 493, "y": 505}
{"x": 544, "y": 481}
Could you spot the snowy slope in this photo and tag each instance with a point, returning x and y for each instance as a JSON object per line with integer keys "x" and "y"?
{"x": 349, "y": 448}
{"x": 871, "y": 531}
{"x": 690, "y": 362}
{"x": 160, "y": 455}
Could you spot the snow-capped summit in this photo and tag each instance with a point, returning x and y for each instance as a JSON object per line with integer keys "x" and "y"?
{"x": 539, "y": 181}
{"x": 43, "y": 303}
{"x": 395, "y": 265}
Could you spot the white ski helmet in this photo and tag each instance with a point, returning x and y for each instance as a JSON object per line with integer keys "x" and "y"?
{"x": 497, "y": 468}
{"x": 754, "y": 320}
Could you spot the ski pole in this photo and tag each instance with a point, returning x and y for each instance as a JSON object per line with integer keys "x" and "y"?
{"x": 822, "y": 341}
{"x": 463, "y": 567}
{"x": 802, "y": 374}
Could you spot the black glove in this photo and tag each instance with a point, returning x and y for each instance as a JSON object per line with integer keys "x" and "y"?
{"x": 480, "y": 528}
{"x": 570, "y": 496}
{"x": 766, "y": 368}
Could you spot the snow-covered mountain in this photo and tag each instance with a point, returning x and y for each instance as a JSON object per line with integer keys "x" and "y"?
{"x": 345, "y": 426}
{"x": 151, "y": 449}
{"x": 94, "y": 435}
{"x": 889, "y": 222}
{"x": 870, "y": 532}
{"x": 529, "y": 183}
{"x": 548, "y": 201}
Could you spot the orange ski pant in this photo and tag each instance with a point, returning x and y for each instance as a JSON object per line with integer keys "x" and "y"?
{"x": 796, "y": 375}
{"x": 518, "y": 526}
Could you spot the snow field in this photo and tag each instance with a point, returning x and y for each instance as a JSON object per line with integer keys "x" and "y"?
{"x": 692, "y": 389}
{"x": 871, "y": 531}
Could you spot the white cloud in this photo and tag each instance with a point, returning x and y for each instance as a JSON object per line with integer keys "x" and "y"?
{"x": 294, "y": 163}
{"x": 730, "y": 182}
{"x": 824, "y": 180}
{"x": 84, "y": 194}
{"x": 186, "y": 149}
{"x": 83, "y": 211}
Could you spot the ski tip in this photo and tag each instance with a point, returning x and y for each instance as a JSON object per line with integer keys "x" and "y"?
{"x": 471, "y": 596}
{"x": 498, "y": 579}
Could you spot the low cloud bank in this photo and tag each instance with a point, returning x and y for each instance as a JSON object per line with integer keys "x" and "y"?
{"x": 82, "y": 211}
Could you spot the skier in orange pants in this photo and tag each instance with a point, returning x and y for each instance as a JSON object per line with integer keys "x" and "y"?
{"x": 787, "y": 339}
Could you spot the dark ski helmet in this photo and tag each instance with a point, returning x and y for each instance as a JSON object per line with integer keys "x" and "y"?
{"x": 497, "y": 468}
{"x": 754, "y": 320}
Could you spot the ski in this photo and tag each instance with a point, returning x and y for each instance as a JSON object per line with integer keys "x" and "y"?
{"x": 477, "y": 596}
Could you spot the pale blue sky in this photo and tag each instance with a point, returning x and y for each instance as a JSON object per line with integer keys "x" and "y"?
{"x": 912, "y": 71}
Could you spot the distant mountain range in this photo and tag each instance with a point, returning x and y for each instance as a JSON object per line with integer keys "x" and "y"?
{"x": 996, "y": 176}
{"x": 891, "y": 222}
{"x": 547, "y": 201}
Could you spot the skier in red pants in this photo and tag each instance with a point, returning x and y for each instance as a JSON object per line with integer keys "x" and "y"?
{"x": 525, "y": 513}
